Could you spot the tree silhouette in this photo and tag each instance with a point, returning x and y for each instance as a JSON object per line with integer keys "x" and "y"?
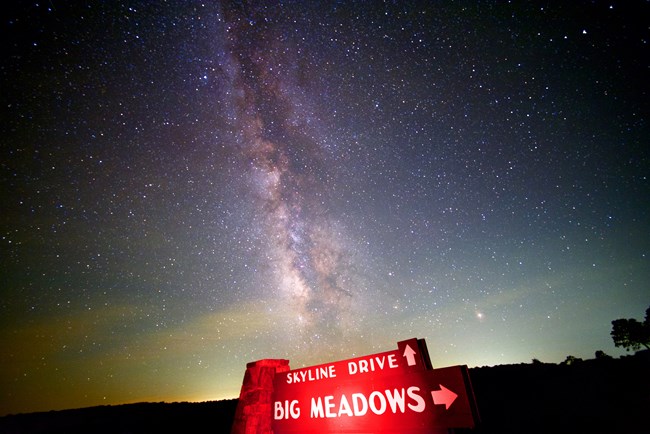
{"x": 601, "y": 355}
{"x": 571, "y": 360}
{"x": 630, "y": 333}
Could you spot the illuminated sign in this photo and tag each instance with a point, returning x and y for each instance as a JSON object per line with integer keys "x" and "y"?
{"x": 395, "y": 391}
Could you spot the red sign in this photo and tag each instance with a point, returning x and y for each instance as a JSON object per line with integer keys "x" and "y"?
{"x": 395, "y": 391}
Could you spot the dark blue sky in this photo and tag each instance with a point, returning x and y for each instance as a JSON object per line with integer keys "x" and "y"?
{"x": 188, "y": 187}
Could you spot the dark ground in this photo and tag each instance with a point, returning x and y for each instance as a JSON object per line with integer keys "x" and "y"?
{"x": 592, "y": 396}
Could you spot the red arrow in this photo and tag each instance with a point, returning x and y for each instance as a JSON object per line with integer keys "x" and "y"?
{"x": 409, "y": 353}
{"x": 443, "y": 396}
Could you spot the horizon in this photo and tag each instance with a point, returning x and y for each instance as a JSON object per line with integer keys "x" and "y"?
{"x": 196, "y": 400}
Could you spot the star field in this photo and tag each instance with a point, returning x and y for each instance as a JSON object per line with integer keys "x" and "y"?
{"x": 188, "y": 187}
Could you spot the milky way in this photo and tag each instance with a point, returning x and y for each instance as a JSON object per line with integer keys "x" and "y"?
{"x": 285, "y": 166}
{"x": 188, "y": 187}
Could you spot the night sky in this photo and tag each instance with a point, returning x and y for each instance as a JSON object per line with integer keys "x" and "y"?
{"x": 190, "y": 186}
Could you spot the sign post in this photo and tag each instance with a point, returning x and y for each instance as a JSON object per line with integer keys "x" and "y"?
{"x": 391, "y": 392}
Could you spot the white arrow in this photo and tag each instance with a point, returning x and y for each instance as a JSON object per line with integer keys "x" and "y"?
{"x": 409, "y": 353}
{"x": 443, "y": 396}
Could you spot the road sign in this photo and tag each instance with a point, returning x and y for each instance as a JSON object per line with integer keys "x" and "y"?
{"x": 410, "y": 356}
{"x": 390, "y": 392}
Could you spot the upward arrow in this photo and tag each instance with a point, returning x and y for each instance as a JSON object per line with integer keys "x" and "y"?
{"x": 409, "y": 353}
